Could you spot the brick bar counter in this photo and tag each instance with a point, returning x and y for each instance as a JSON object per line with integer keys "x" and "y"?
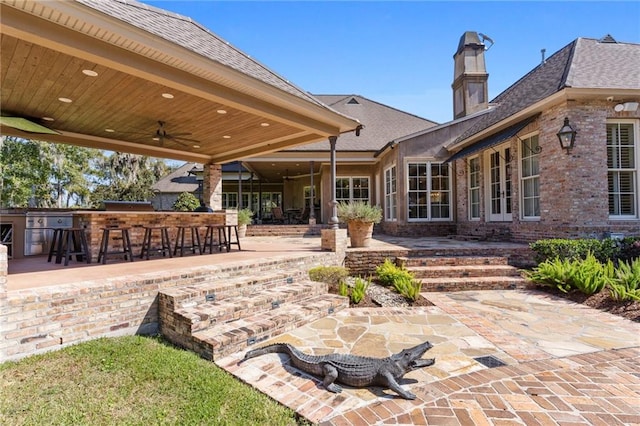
{"x": 94, "y": 221}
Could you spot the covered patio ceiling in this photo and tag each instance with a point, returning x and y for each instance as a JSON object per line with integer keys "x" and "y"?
{"x": 124, "y": 76}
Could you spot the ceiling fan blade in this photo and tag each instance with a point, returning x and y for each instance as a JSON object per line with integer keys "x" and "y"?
{"x": 177, "y": 138}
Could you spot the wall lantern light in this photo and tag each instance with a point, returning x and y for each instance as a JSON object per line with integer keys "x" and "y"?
{"x": 567, "y": 135}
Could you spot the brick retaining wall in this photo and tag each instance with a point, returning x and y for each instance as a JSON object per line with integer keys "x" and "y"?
{"x": 42, "y": 319}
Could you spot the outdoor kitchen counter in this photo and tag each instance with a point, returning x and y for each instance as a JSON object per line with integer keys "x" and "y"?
{"x": 94, "y": 221}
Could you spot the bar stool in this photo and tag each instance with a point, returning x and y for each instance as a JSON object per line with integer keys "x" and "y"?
{"x": 104, "y": 244}
{"x": 194, "y": 243}
{"x": 165, "y": 247}
{"x": 68, "y": 242}
{"x": 230, "y": 242}
{"x": 56, "y": 245}
{"x": 209, "y": 240}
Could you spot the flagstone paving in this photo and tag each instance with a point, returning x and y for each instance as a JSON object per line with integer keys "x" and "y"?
{"x": 565, "y": 363}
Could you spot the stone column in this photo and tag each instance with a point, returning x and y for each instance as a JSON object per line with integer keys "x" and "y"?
{"x": 212, "y": 185}
{"x": 312, "y": 199}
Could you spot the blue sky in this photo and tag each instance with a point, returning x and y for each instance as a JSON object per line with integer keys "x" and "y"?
{"x": 401, "y": 53}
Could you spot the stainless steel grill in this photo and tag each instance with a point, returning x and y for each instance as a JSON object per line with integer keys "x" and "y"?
{"x": 39, "y": 230}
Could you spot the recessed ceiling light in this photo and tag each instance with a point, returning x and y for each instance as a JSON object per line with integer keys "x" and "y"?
{"x": 109, "y": 130}
{"x": 155, "y": 139}
{"x": 48, "y": 118}
{"x": 167, "y": 95}
{"x": 222, "y": 111}
{"x": 65, "y": 100}
{"x": 90, "y": 73}
{"x": 227, "y": 137}
{"x": 265, "y": 124}
{"x": 196, "y": 146}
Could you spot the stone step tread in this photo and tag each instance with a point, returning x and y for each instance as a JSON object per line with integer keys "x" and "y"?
{"x": 226, "y": 309}
{"x": 472, "y": 279}
{"x": 463, "y": 271}
{"x": 222, "y": 285}
{"x": 233, "y": 336}
{"x": 453, "y": 260}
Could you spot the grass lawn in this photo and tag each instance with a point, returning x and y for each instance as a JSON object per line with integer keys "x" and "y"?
{"x": 129, "y": 380}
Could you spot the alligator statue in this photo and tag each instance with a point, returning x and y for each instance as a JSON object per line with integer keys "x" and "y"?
{"x": 354, "y": 370}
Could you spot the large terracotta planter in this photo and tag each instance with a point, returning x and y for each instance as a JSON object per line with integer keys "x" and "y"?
{"x": 360, "y": 233}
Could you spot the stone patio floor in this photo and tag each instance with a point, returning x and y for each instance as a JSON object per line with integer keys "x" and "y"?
{"x": 566, "y": 364}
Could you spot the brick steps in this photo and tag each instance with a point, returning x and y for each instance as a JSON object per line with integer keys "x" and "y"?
{"x": 237, "y": 335}
{"x": 223, "y": 315}
{"x": 458, "y": 273}
{"x": 283, "y": 230}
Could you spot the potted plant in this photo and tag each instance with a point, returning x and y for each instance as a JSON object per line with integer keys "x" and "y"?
{"x": 360, "y": 218}
{"x": 245, "y": 217}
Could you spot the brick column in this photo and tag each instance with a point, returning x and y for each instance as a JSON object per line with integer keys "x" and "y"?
{"x": 212, "y": 185}
{"x": 334, "y": 240}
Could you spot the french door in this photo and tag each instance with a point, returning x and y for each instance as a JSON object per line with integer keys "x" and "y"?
{"x": 499, "y": 184}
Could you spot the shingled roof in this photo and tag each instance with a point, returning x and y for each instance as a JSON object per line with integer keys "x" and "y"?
{"x": 382, "y": 124}
{"x": 584, "y": 63}
{"x": 191, "y": 35}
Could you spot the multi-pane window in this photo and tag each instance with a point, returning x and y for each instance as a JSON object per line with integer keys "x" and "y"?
{"x": 474, "y": 188}
{"x": 530, "y": 180}
{"x": 229, "y": 200}
{"x": 390, "y": 194}
{"x": 429, "y": 191}
{"x": 622, "y": 169}
{"x": 352, "y": 189}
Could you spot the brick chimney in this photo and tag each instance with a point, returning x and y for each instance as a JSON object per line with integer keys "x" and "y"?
{"x": 470, "y": 78}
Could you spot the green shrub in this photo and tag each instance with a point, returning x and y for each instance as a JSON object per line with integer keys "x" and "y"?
{"x": 359, "y": 210}
{"x": 186, "y": 202}
{"x": 603, "y": 250}
{"x": 328, "y": 274}
{"x": 343, "y": 289}
{"x": 625, "y": 284}
{"x": 408, "y": 287}
{"x": 590, "y": 276}
{"x": 359, "y": 290}
{"x": 245, "y": 216}
{"x": 389, "y": 272}
{"x": 553, "y": 273}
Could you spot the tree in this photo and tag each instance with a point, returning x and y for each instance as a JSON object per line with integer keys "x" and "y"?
{"x": 43, "y": 174}
{"x": 127, "y": 177}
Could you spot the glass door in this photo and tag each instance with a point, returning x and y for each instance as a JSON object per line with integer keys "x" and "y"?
{"x": 499, "y": 184}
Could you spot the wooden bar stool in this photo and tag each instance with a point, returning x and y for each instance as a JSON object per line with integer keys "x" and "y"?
{"x": 104, "y": 244}
{"x": 230, "y": 242}
{"x": 72, "y": 241}
{"x": 210, "y": 242}
{"x": 56, "y": 245}
{"x": 193, "y": 244}
{"x": 165, "y": 247}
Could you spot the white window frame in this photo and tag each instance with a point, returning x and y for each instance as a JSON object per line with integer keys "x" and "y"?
{"x": 533, "y": 177}
{"x": 391, "y": 193}
{"x": 430, "y": 193}
{"x": 475, "y": 189}
{"x": 635, "y": 134}
{"x": 351, "y": 198}
{"x": 226, "y": 202}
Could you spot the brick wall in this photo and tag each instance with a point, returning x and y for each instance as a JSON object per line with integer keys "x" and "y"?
{"x": 573, "y": 187}
{"x": 47, "y": 318}
{"x": 364, "y": 262}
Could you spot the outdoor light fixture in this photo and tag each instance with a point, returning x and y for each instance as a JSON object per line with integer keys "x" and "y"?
{"x": 567, "y": 135}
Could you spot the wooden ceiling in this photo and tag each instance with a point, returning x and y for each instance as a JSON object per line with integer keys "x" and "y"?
{"x": 118, "y": 100}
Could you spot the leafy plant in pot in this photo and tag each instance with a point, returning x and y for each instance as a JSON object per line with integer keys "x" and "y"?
{"x": 360, "y": 218}
{"x": 245, "y": 217}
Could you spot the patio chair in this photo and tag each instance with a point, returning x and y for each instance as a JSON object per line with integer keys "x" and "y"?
{"x": 277, "y": 215}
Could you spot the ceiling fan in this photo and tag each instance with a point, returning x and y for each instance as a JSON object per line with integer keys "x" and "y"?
{"x": 286, "y": 176}
{"x": 161, "y": 135}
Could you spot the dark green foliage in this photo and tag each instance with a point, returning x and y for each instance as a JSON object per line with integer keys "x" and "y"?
{"x": 602, "y": 250}
{"x": 328, "y": 274}
{"x": 186, "y": 202}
